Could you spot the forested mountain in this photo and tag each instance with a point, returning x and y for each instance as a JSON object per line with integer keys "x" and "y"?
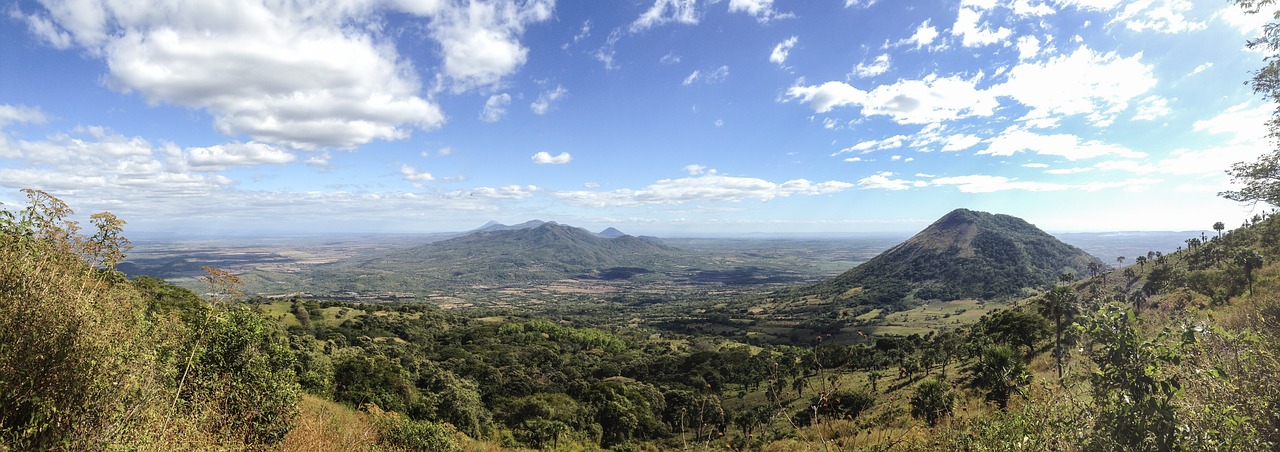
{"x": 546, "y": 252}
{"x": 964, "y": 254}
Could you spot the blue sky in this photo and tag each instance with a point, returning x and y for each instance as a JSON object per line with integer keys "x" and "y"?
{"x": 664, "y": 117}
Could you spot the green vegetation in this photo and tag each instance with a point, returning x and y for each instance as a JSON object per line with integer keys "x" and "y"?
{"x": 963, "y": 255}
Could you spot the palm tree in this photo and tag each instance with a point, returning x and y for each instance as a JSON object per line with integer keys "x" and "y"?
{"x": 1001, "y": 371}
{"x": 1219, "y": 227}
{"x": 1060, "y": 303}
{"x": 1142, "y": 262}
{"x": 1119, "y": 261}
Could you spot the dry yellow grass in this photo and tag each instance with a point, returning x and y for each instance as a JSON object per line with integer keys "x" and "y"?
{"x": 327, "y": 426}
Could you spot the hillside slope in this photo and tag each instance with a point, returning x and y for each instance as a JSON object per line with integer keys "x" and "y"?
{"x": 965, "y": 254}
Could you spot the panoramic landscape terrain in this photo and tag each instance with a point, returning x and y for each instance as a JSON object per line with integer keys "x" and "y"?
{"x": 747, "y": 225}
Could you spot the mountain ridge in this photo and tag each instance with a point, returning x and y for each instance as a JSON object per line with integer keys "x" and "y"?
{"x": 964, "y": 254}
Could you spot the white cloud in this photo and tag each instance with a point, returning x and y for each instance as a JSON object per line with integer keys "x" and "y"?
{"x": 20, "y": 114}
{"x": 979, "y": 4}
{"x": 693, "y": 77}
{"x": 709, "y": 187}
{"x": 545, "y": 100}
{"x": 1031, "y": 8}
{"x": 1247, "y": 124}
{"x": 884, "y": 181}
{"x": 695, "y": 170}
{"x": 1151, "y": 108}
{"x": 666, "y": 11}
{"x": 220, "y": 157}
{"x": 715, "y": 76}
{"x": 876, "y": 67}
{"x": 300, "y": 74}
{"x": 859, "y": 3}
{"x": 412, "y": 175}
{"x": 1063, "y": 171}
{"x": 960, "y": 142}
{"x": 606, "y": 52}
{"x": 545, "y": 158}
{"x": 868, "y": 146}
{"x": 932, "y": 99}
{"x": 1028, "y": 47}
{"x": 925, "y": 35}
{"x": 762, "y": 10}
{"x": 782, "y": 50}
{"x": 1035, "y": 165}
{"x": 1246, "y": 23}
{"x": 1091, "y": 5}
{"x": 1167, "y": 16}
{"x": 975, "y": 34}
{"x": 1099, "y": 86}
{"x": 495, "y": 107}
{"x": 481, "y": 40}
{"x": 828, "y": 95}
{"x": 987, "y": 184}
{"x": 1071, "y": 147}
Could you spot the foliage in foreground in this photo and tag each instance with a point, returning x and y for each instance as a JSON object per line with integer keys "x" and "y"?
{"x": 89, "y": 359}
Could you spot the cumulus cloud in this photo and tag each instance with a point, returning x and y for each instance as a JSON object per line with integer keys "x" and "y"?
{"x": 878, "y": 66}
{"x": 1245, "y": 122}
{"x": 1097, "y": 85}
{"x": 667, "y": 11}
{"x": 924, "y": 36}
{"x": 783, "y": 50}
{"x": 480, "y": 40}
{"x": 975, "y": 33}
{"x": 306, "y": 74}
{"x": 1168, "y": 16}
{"x": 1028, "y": 47}
{"x": 20, "y": 114}
{"x": 1151, "y": 108}
{"x": 762, "y": 10}
{"x": 546, "y": 100}
{"x": 695, "y": 170}
{"x": 885, "y": 181}
{"x": 495, "y": 108}
{"x": 412, "y": 175}
{"x": 924, "y": 101}
{"x": 960, "y": 142}
{"x": 707, "y": 187}
{"x": 1068, "y": 146}
{"x": 219, "y": 157}
{"x": 545, "y": 158}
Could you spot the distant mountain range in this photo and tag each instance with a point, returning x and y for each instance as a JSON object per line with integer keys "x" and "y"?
{"x": 530, "y": 251}
{"x": 965, "y": 254}
{"x": 491, "y": 226}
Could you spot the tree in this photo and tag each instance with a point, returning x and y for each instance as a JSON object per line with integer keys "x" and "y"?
{"x": 1219, "y": 227}
{"x": 1017, "y": 327}
{"x": 932, "y": 401}
{"x": 1260, "y": 180}
{"x": 1060, "y": 305}
{"x": 1133, "y": 387}
{"x": 1000, "y": 371}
